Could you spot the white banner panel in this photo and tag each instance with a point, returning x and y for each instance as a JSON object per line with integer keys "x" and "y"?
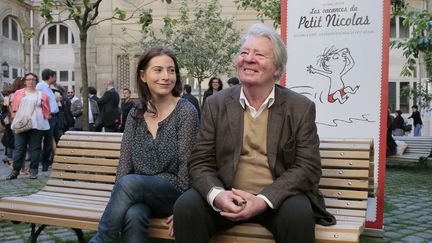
{"x": 335, "y": 58}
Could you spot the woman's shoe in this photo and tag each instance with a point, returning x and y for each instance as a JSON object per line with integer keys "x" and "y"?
{"x": 13, "y": 175}
{"x": 33, "y": 174}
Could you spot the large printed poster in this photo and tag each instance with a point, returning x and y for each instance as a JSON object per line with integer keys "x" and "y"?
{"x": 338, "y": 57}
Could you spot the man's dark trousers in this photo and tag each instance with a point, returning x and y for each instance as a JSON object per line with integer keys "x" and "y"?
{"x": 196, "y": 221}
{"x": 47, "y": 142}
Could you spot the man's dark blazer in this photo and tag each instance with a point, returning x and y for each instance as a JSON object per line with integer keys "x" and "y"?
{"x": 109, "y": 111}
{"x": 292, "y": 148}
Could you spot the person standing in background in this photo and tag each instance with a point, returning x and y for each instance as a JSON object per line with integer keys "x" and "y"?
{"x": 109, "y": 111}
{"x": 398, "y": 124}
{"x": 418, "y": 124}
{"x": 215, "y": 85}
{"x": 93, "y": 93}
{"x": 187, "y": 94}
{"x": 48, "y": 78}
{"x": 126, "y": 105}
{"x": 77, "y": 111}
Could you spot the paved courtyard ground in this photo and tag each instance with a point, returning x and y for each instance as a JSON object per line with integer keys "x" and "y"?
{"x": 407, "y": 216}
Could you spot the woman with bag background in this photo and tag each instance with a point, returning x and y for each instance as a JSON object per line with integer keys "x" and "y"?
{"x": 8, "y": 139}
{"x": 30, "y": 112}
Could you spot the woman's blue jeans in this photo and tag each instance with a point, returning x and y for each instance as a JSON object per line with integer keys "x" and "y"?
{"x": 417, "y": 130}
{"x": 135, "y": 198}
{"x": 32, "y": 138}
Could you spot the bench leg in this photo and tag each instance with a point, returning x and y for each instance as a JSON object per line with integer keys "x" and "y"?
{"x": 423, "y": 161}
{"x": 80, "y": 235}
{"x": 35, "y": 233}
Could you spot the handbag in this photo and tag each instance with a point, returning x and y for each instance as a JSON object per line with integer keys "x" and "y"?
{"x": 4, "y": 119}
{"x": 25, "y": 123}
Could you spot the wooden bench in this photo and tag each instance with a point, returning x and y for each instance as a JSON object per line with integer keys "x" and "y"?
{"x": 83, "y": 174}
{"x": 418, "y": 150}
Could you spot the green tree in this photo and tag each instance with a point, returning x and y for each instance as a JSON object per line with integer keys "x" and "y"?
{"x": 205, "y": 43}
{"x": 417, "y": 47}
{"x": 266, "y": 9}
{"x": 85, "y": 14}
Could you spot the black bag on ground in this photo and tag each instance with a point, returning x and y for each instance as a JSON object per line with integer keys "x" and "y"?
{"x": 8, "y": 139}
{"x": 407, "y": 127}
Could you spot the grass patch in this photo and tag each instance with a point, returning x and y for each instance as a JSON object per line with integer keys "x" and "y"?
{"x": 389, "y": 207}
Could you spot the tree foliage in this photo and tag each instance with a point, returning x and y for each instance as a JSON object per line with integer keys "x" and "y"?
{"x": 85, "y": 14}
{"x": 266, "y": 9}
{"x": 417, "y": 46}
{"x": 205, "y": 43}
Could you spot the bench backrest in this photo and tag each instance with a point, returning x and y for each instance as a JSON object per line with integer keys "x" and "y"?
{"x": 416, "y": 145}
{"x": 85, "y": 164}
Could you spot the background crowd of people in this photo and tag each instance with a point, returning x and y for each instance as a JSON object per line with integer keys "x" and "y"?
{"x": 55, "y": 110}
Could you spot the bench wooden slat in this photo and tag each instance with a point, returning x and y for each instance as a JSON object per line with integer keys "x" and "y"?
{"x": 94, "y": 134}
{"x": 69, "y": 200}
{"x": 345, "y": 146}
{"x": 46, "y": 220}
{"x": 88, "y": 152}
{"x": 350, "y": 218}
{"x": 345, "y": 173}
{"x": 82, "y": 177}
{"x": 345, "y": 204}
{"x": 88, "y": 145}
{"x": 71, "y": 196}
{"x": 345, "y": 154}
{"x": 55, "y": 204}
{"x": 50, "y": 211}
{"x": 85, "y": 161}
{"x": 340, "y": 163}
{"x": 84, "y": 168}
{"x": 343, "y": 183}
{"x": 84, "y": 192}
{"x": 81, "y": 185}
{"x": 344, "y": 194}
{"x": 347, "y": 212}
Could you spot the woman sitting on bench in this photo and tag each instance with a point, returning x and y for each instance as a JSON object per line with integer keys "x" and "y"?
{"x": 157, "y": 142}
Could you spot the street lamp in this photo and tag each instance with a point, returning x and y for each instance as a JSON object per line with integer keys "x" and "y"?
{"x": 5, "y": 69}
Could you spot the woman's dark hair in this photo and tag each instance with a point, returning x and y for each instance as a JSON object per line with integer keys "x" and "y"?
{"x": 17, "y": 84}
{"x": 219, "y": 81}
{"x": 28, "y": 74}
{"x": 143, "y": 90}
{"x": 399, "y": 112}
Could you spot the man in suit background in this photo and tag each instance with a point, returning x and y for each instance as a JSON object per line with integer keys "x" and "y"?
{"x": 187, "y": 94}
{"x": 257, "y": 154}
{"x": 109, "y": 111}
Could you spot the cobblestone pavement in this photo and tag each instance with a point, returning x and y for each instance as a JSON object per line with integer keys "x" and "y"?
{"x": 407, "y": 217}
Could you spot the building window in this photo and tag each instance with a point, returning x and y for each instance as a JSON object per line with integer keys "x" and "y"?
{"x": 393, "y": 27}
{"x": 63, "y": 34}
{"x": 404, "y": 97}
{"x": 57, "y": 35}
{"x": 123, "y": 72}
{"x": 14, "y": 73}
{"x": 6, "y": 27}
{"x": 64, "y": 76}
{"x": 52, "y": 35}
{"x": 12, "y": 30}
{"x": 403, "y": 30}
{"x": 392, "y": 96}
{"x": 397, "y": 29}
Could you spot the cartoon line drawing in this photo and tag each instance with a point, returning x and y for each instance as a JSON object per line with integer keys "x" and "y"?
{"x": 334, "y": 122}
{"x": 335, "y": 63}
